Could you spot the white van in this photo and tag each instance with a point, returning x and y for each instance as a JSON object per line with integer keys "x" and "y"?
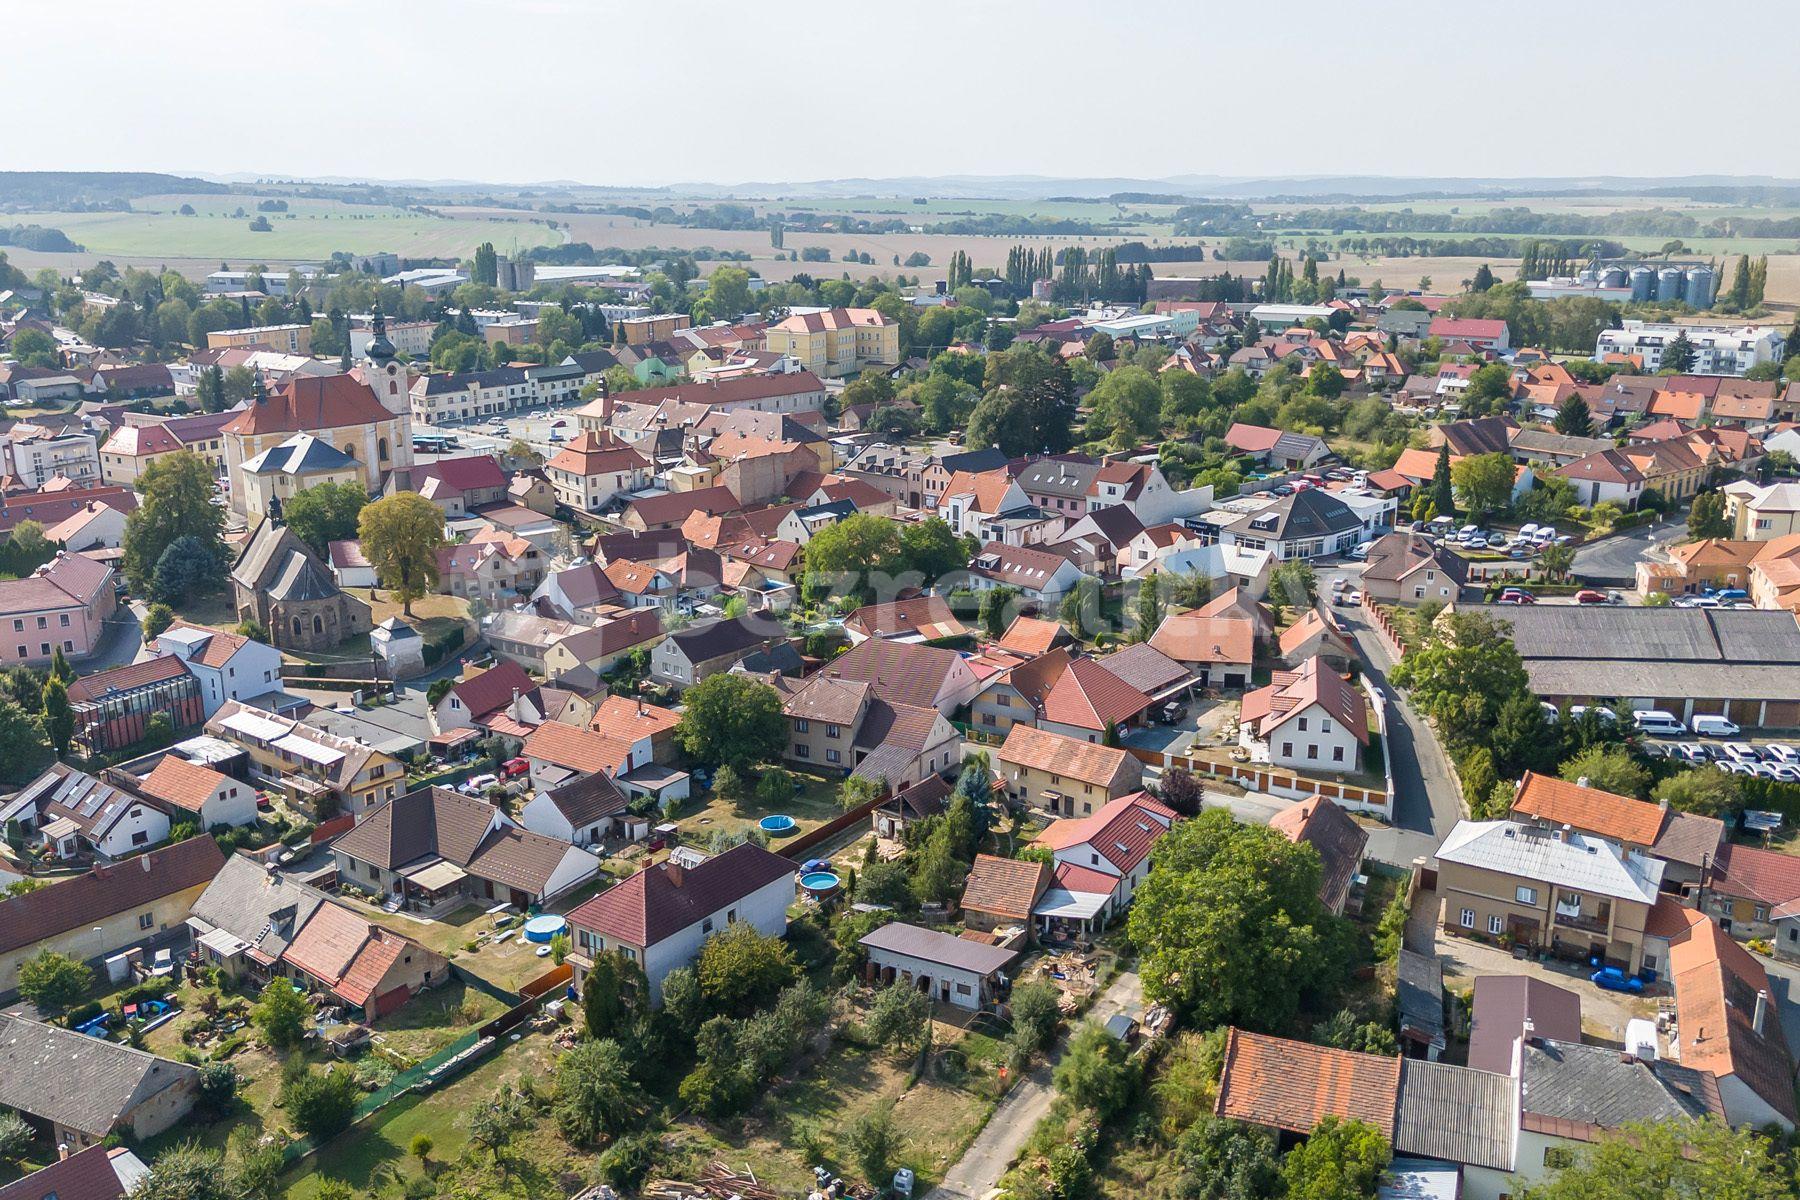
{"x": 1709, "y": 725}
{"x": 1650, "y": 720}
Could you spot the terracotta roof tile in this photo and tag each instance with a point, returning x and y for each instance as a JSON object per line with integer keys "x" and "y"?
{"x": 1041, "y": 750}
{"x": 179, "y": 782}
{"x": 1004, "y": 887}
{"x": 1293, "y": 1085}
{"x": 1588, "y": 810}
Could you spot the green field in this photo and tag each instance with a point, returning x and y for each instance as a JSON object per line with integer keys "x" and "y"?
{"x": 312, "y": 230}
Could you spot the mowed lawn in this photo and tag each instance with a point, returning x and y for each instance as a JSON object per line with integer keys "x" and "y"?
{"x": 293, "y": 235}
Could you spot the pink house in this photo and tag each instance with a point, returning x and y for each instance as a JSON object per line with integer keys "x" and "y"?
{"x": 64, "y": 605}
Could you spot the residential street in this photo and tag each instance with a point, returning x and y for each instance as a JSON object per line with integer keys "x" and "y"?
{"x": 1613, "y": 560}
{"x": 1426, "y": 805}
{"x": 1001, "y": 1139}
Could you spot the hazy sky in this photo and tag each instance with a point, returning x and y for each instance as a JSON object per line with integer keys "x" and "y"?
{"x": 659, "y": 91}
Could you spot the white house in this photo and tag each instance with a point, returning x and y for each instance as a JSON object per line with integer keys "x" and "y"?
{"x": 1310, "y": 720}
{"x": 583, "y": 811}
{"x": 67, "y": 809}
{"x": 191, "y": 790}
{"x": 1231, "y": 566}
{"x": 1098, "y": 861}
{"x": 947, "y": 968}
{"x": 1605, "y": 475}
{"x": 1041, "y": 577}
{"x": 661, "y": 916}
{"x": 229, "y": 666}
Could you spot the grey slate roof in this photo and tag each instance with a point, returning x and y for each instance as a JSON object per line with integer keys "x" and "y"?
{"x": 1311, "y": 513}
{"x": 1595, "y": 1086}
{"x": 75, "y": 1080}
{"x": 1454, "y": 1113}
{"x": 584, "y": 801}
{"x": 928, "y": 945}
{"x": 258, "y": 907}
{"x": 1421, "y": 995}
{"x": 1058, "y": 477}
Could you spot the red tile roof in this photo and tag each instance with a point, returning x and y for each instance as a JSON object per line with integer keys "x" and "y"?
{"x": 578, "y": 749}
{"x": 311, "y": 403}
{"x": 1293, "y": 1085}
{"x": 1122, "y": 831}
{"x": 184, "y": 784}
{"x": 1056, "y": 754}
{"x": 662, "y": 900}
{"x": 1032, "y": 635}
{"x": 1088, "y": 696}
{"x": 1588, "y": 810}
{"x": 1293, "y": 692}
{"x": 1004, "y": 887}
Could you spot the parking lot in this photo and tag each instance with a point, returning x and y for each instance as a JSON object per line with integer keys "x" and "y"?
{"x": 1769, "y": 758}
{"x": 543, "y": 429}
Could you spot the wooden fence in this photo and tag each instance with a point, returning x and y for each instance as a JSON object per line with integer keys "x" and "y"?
{"x": 796, "y": 848}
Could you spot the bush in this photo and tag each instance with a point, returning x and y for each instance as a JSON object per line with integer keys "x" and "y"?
{"x": 873, "y": 1141}
{"x": 1095, "y": 1072}
{"x": 320, "y": 1103}
{"x": 54, "y": 981}
{"x": 627, "y": 1162}
{"x": 216, "y": 1088}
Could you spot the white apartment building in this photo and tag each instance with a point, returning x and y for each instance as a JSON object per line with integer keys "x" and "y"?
{"x": 1718, "y": 349}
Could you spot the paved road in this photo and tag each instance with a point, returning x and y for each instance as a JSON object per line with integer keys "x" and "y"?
{"x": 1616, "y": 557}
{"x": 1426, "y": 806}
{"x": 1000, "y": 1140}
{"x": 120, "y": 641}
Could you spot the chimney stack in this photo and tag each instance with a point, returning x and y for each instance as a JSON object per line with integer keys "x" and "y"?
{"x": 62, "y": 1152}
{"x": 674, "y": 872}
{"x": 1529, "y": 1032}
{"x": 145, "y": 860}
{"x": 1759, "y": 1021}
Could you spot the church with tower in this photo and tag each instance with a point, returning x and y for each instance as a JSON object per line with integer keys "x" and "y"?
{"x": 364, "y": 416}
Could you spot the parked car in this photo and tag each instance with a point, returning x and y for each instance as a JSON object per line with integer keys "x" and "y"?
{"x": 1691, "y": 752}
{"x": 1590, "y": 596}
{"x": 1467, "y": 532}
{"x": 1655, "y": 721}
{"x": 1517, "y": 596}
{"x": 1739, "y": 752}
{"x": 1599, "y": 710}
{"x": 1730, "y": 595}
{"x": 1360, "y": 551}
{"x": 1528, "y": 529}
{"x": 1785, "y": 772}
{"x": 1782, "y": 752}
{"x": 477, "y": 784}
{"x": 1615, "y": 980}
{"x": 512, "y": 768}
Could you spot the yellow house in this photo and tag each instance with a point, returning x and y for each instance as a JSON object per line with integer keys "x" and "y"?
{"x": 299, "y": 464}
{"x": 1669, "y": 468}
{"x": 318, "y": 772}
{"x": 1762, "y": 514}
{"x": 109, "y": 909}
{"x": 289, "y": 339}
{"x": 837, "y": 341}
{"x": 341, "y": 411}
{"x": 601, "y": 648}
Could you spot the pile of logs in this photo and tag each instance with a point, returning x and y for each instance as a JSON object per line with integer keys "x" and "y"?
{"x": 717, "y": 1181}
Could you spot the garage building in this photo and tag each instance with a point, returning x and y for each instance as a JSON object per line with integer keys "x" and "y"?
{"x": 950, "y": 969}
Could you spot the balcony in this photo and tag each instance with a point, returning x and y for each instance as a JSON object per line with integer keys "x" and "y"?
{"x": 1571, "y": 917}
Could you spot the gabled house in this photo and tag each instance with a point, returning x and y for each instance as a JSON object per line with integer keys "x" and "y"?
{"x": 192, "y": 792}
{"x": 1091, "y": 703}
{"x": 1405, "y": 568}
{"x": 87, "y": 1089}
{"x": 316, "y": 772}
{"x": 256, "y": 924}
{"x": 71, "y": 815}
{"x": 1687, "y": 843}
{"x": 1608, "y": 475}
{"x": 909, "y": 673}
{"x": 909, "y": 805}
{"x": 584, "y": 810}
{"x": 435, "y": 850}
{"x": 1002, "y": 892}
{"x": 108, "y": 909}
{"x": 96, "y": 1173}
{"x": 1040, "y": 577}
{"x": 1097, "y": 861}
{"x": 1217, "y": 649}
{"x": 1306, "y": 524}
{"x": 1316, "y": 635}
{"x": 1061, "y": 775}
{"x": 922, "y": 619}
{"x": 228, "y": 666}
{"x": 689, "y": 655}
{"x": 1339, "y": 840}
{"x": 660, "y": 917}
{"x": 1311, "y": 719}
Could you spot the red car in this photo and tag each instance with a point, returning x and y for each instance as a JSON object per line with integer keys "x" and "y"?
{"x": 512, "y": 768}
{"x": 1513, "y": 596}
{"x": 1590, "y": 596}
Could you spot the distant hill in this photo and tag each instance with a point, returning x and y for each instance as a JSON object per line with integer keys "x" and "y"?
{"x": 51, "y": 190}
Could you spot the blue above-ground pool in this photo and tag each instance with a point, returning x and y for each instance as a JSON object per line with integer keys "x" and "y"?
{"x": 542, "y": 929}
{"x": 820, "y": 884}
{"x": 777, "y": 823}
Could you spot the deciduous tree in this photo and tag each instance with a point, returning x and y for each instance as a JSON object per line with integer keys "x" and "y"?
{"x": 400, "y": 536}
{"x": 326, "y": 513}
{"x": 176, "y": 493}
{"x": 731, "y": 720}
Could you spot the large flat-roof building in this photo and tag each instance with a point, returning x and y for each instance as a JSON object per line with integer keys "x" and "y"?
{"x": 1741, "y": 664}
{"x": 1718, "y": 349}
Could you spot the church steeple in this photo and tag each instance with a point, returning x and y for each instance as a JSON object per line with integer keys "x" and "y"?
{"x": 380, "y": 350}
